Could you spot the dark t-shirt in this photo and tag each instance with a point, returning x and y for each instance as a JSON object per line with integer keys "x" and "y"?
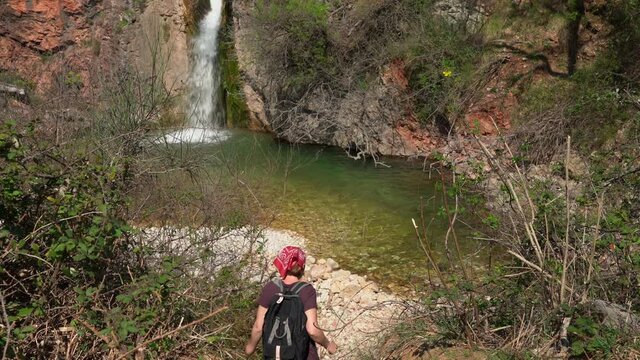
{"x": 308, "y": 298}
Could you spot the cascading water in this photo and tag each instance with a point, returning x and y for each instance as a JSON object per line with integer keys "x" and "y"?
{"x": 205, "y": 76}
{"x": 206, "y": 115}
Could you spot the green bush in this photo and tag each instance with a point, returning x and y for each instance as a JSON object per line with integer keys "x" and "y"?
{"x": 235, "y": 105}
{"x": 292, "y": 41}
{"x": 439, "y": 80}
{"x": 63, "y": 233}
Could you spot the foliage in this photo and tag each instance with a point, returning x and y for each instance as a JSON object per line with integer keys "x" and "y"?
{"x": 293, "y": 41}
{"x": 440, "y": 80}
{"x": 304, "y": 55}
{"x": 77, "y": 279}
{"x": 590, "y": 106}
{"x": 62, "y": 220}
{"x": 623, "y": 16}
{"x": 566, "y": 254}
{"x": 590, "y": 338}
{"x": 73, "y": 80}
{"x": 235, "y": 105}
{"x": 16, "y": 80}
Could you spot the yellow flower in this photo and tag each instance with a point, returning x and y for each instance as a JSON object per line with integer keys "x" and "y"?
{"x": 447, "y": 73}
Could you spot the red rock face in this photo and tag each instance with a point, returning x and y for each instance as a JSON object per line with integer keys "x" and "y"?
{"x": 491, "y": 112}
{"x": 395, "y": 75}
{"x": 41, "y": 40}
{"x": 40, "y": 25}
{"x": 415, "y": 138}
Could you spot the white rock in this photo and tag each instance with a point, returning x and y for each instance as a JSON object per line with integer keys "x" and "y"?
{"x": 342, "y": 275}
{"x": 368, "y": 297}
{"x": 349, "y": 291}
{"x": 333, "y": 264}
{"x": 323, "y": 297}
{"x": 317, "y": 271}
{"x": 373, "y": 287}
{"x": 337, "y": 286}
{"x": 311, "y": 260}
{"x": 321, "y": 261}
{"x": 325, "y": 285}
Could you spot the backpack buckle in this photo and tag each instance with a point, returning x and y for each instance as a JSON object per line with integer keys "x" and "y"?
{"x": 280, "y": 299}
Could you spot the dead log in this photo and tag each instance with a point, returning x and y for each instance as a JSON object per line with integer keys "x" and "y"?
{"x": 18, "y": 93}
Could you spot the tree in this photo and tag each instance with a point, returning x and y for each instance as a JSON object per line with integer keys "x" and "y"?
{"x": 574, "y": 15}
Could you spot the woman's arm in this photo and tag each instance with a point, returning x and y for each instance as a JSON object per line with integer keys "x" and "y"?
{"x": 316, "y": 333}
{"x": 256, "y": 331}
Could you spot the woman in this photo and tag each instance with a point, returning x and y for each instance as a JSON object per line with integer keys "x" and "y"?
{"x": 290, "y": 264}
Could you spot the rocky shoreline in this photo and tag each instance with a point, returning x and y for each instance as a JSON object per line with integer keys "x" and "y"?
{"x": 354, "y": 311}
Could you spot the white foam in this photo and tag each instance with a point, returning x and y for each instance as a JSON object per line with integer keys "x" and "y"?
{"x": 193, "y": 136}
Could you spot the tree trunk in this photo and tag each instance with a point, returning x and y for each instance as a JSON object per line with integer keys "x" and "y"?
{"x": 575, "y": 14}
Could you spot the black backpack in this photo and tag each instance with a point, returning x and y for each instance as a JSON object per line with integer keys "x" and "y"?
{"x": 284, "y": 331}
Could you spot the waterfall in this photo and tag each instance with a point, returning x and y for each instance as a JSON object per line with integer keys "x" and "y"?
{"x": 206, "y": 113}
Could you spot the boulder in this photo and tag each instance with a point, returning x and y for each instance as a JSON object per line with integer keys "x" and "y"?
{"x": 350, "y": 290}
{"x": 336, "y": 287}
{"x": 342, "y": 275}
{"x": 317, "y": 271}
{"x": 368, "y": 298}
{"x": 333, "y": 264}
{"x": 617, "y": 316}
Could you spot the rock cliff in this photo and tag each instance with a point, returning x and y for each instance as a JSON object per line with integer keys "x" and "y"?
{"x": 376, "y": 119}
{"x": 55, "y": 45}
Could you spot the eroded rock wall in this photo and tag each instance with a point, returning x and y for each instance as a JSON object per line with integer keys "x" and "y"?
{"x": 45, "y": 40}
{"x": 54, "y": 45}
{"x": 372, "y": 120}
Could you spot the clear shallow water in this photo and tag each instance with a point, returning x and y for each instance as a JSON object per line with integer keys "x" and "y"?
{"x": 349, "y": 210}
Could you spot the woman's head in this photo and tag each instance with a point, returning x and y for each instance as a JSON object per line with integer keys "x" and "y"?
{"x": 290, "y": 261}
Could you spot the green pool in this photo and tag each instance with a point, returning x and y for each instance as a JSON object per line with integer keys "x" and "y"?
{"x": 351, "y": 210}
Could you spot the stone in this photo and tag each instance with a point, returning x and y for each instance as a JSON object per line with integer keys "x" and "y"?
{"x": 325, "y": 285}
{"x": 336, "y": 287}
{"x": 349, "y": 291}
{"x": 373, "y": 287}
{"x": 368, "y": 298}
{"x": 321, "y": 261}
{"x": 257, "y": 114}
{"x": 342, "y": 275}
{"x": 575, "y": 164}
{"x": 323, "y": 297}
{"x": 333, "y": 264}
{"x": 317, "y": 271}
{"x": 311, "y": 260}
{"x": 617, "y": 316}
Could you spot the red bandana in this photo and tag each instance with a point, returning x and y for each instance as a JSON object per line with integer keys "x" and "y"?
{"x": 287, "y": 258}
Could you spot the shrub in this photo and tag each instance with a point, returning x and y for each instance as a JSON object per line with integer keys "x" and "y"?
{"x": 291, "y": 40}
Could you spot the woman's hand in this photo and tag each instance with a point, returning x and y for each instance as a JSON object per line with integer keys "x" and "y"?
{"x": 332, "y": 347}
{"x": 249, "y": 349}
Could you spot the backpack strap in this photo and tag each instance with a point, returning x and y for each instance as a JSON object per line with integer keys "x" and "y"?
{"x": 278, "y": 283}
{"x": 298, "y": 287}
